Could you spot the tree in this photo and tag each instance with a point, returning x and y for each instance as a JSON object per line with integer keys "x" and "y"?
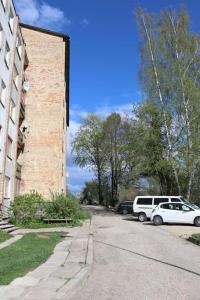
{"x": 170, "y": 65}
{"x": 88, "y": 148}
{"x": 152, "y": 76}
{"x": 116, "y": 139}
{"x": 152, "y": 148}
{"x": 90, "y": 192}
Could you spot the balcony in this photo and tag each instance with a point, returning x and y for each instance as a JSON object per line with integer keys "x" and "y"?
{"x": 20, "y": 144}
{"x": 22, "y": 113}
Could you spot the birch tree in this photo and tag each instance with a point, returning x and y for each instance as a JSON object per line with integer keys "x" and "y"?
{"x": 153, "y": 78}
{"x": 170, "y": 76}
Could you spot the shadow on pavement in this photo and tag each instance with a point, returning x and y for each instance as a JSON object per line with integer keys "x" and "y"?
{"x": 130, "y": 219}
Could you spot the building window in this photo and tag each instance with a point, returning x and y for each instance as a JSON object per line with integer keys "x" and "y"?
{"x": 7, "y": 55}
{"x": 7, "y": 187}
{"x": 9, "y": 148}
{"x": 1, "y": 37}
{"x": 12, "y": 110}
{"x": 2, "y": 93}
{"x": 11, "y": 20}
{"x": 16, "y": 77}
{"x": 19, "y": 46}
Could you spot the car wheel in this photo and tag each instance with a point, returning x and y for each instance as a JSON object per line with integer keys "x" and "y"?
{"x": 142, "y": 217}
{"x": 124, "y": 211}
{"x": 197, "y": 221}
{"x": 157, "y": 220}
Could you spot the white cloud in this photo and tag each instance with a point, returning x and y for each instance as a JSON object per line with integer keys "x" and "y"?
{"x": 84, "y": 23}
{"x": 41, "y": 14}
{"x": 122, "y": 109}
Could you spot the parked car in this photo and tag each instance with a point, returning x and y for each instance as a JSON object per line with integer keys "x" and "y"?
{"x": 125, "y": 207}
{"x": 143, "y": 205}
{"x": 176, "y": 213}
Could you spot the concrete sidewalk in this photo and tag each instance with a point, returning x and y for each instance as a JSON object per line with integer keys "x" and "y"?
{"x": 62, "y": 275}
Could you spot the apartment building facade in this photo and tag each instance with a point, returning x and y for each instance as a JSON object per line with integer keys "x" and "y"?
{"x": 44, "y": 158}
{"x": 34, "y": 108}
{"x": 13, "y": 62}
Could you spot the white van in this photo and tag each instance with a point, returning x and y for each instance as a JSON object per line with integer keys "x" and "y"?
{"x": 143, "y": 205}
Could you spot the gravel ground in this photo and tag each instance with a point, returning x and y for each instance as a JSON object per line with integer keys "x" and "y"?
{"x": 135, "y": 260}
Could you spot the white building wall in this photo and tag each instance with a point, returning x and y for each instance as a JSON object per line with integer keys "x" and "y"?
{"x": 5, "y": 72}
{"x": 8, "y": 125}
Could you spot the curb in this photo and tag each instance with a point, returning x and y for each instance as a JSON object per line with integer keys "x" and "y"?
{"x": 78, "y": 281}
{"x": 10, "y": 241}
{"x": 194, "y": 240}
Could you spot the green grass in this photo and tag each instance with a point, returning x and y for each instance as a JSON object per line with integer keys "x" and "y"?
{"x": 197, "y": 236}
{"x": 26, "y": 254}
{"x": 4, "y": 236}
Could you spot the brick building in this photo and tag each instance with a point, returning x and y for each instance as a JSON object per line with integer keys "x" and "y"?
{"x": 34, "y": 107}
{"x": 44, "y": 157}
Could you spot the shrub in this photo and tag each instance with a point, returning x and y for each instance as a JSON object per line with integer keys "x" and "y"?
{"x": 64, "y": 206}
{"x": 30, "y": 209}
{"x": 27, "y": 208}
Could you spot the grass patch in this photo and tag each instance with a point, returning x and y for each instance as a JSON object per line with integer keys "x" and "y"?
{"x": 26, "y": 254}
{"x": 196, "y": 236}
{"x": 4, "y": 236}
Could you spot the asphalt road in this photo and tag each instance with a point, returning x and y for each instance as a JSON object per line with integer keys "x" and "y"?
{"x": 135, "y": 260}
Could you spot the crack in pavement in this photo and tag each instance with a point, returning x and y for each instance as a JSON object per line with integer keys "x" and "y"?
{"x": 150, "y": 258}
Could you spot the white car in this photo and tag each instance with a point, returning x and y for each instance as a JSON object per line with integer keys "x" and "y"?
{"x": 144, "y": 205}
{"x": 174, "y": 212}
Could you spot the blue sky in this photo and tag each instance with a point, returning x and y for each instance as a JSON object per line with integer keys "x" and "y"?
{"x": 104, "y": 54}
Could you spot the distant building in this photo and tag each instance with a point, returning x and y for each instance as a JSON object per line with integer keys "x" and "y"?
{"x": 13, "y": 62}
{"x": 34, "y": 107}
{"x": 44, "y": 158}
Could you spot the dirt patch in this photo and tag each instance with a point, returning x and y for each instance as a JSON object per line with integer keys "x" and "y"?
{"x": 43, "y": 236}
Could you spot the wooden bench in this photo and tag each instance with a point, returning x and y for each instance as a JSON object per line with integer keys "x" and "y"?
{"x": 57, "y": 220}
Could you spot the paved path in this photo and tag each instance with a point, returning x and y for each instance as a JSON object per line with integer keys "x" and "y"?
{"x": 135, "y": 260}
{"x": 10, "y": 241}
{"x": 61, "y": 275}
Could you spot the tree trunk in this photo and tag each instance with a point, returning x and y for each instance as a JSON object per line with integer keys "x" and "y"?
{"x": 190, "y": 167}
{"x": 162, "y": 103}
{"x": 100, "y": 187}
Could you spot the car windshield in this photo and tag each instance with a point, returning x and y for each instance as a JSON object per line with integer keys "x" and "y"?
{"x": 192, "y": 205}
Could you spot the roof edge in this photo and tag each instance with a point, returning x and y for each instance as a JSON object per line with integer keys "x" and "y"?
{"x": 47, "y": 31}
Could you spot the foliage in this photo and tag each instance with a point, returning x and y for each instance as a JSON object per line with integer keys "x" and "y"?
{"x": 90, "y": 193}
{"x": 196, "y": 236}
{"x": 157, "y": 149}
{"x": 128, "y": 193}
{"x": 26, "y": 254}
{"x": 170, "y": 77}
{"x": 65, "y": 206}
{"x": 27, "y": 208}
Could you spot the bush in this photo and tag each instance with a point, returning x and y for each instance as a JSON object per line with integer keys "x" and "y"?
{"x": 31, "y": 209}
{"x": 64, "y": 206}
{"x": 28, "y": 208}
